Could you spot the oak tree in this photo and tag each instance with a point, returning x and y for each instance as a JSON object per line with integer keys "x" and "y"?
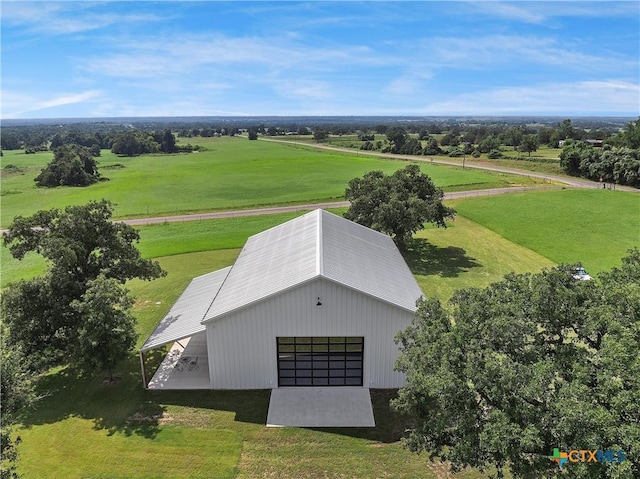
{"x": 528, "y": 364}
{"x": 81, "y": 244}
{"x": 398, "y": 204}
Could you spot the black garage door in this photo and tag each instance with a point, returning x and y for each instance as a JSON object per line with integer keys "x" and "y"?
{"x": 320, "y": 361}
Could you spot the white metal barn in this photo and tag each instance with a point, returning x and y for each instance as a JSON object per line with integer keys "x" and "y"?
{"x": 315, "y": 301}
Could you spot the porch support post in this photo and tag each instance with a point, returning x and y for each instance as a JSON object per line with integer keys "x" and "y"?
{"x": 144, "y": 370}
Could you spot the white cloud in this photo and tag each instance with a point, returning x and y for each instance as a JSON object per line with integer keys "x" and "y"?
{"x": 14, "y": 105}
{"x": 65, "y": 17}
{"x": 494, "y": 50}
{"x": 408, "y": 84}
{"x": 542, "y": 11}
{"x": 587, "y": 97}
{"x": 223, "y": 59}
{"x": 511, "y": 11}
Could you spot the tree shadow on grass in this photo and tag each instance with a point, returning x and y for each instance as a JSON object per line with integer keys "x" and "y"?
{"x": 426, "y": 259}
{"x": 250, "y": 406}
{"x": 124, "y": 406}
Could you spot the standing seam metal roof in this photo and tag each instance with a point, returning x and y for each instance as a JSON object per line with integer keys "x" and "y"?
{"x": 317, "y": 244}
{"x": 185, "y": 317}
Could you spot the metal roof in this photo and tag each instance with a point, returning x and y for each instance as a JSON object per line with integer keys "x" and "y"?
{"x": 317, "y": 244}
{"x": 185, "y": 317}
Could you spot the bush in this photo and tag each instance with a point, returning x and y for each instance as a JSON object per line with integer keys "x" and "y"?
{"x": 35, "y": 149}
{"x": 455, "y": 152}
{"x": 494, "y": 154}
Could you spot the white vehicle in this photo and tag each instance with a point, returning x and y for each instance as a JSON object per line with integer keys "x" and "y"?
{"x": 581, "y": 274}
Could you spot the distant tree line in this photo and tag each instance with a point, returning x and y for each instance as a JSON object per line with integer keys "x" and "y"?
{"x": 457, "y": 130}
{"x": 596, "y": 148}
{"x": 127, "y": 142}
{"x": 618, "y": 161}
{"x": 74, "y": 162}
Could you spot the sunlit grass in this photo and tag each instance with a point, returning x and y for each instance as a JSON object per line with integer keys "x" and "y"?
{"x": 466, "y": 255}
{"x": 595, "y": 227}
{"x": 233, "y": 173}
{"x": 85, "y": 428}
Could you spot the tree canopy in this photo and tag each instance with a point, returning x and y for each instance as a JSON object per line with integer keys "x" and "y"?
{"x": 72, "y": 165}
{"x": 612, "y": 164}
{"x": 16, "y": 392}
{"x": 134, "y": 143}
{"x": 107, "y": 332}
{"x": 44, "y": 315}
{"x": 528, "y": 364}
{"x": 397, "y": 204}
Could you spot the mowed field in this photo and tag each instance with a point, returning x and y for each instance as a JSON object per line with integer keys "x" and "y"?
{"x": 543, "y": 160}
{"x": 590, "y": 226}
{"x": 232, "y": 173}
{"x": 82, "y": 428}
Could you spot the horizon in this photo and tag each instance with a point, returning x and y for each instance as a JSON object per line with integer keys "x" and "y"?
{"x": 320, "y": 119}
{"x": 139, "y": 59}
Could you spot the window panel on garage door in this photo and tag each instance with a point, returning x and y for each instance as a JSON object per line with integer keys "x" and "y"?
{"x": 320, "y": 361}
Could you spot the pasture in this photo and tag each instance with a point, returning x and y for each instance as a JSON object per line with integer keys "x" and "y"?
{"x": 595, "y": 227}
{"x": 232, "y": 173}
{"x": 543, "y": 160}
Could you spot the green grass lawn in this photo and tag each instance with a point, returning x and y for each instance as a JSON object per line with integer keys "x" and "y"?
{"x": 85, "y": 429}
{"x": 466, "y": 255}
{"x": 232, "y": 173}
{"x": 595, "y": 227}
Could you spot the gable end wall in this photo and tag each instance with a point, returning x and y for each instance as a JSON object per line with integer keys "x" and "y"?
{"x": 242, "y": 345}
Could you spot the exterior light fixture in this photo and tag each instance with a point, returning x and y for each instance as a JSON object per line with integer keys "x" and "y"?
{"x": 319, "y": 303}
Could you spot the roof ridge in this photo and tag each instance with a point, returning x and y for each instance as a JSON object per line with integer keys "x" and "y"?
{"x": 320, "y": 249}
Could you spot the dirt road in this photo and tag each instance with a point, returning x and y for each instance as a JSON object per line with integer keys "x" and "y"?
{"x": 308, "y": 207}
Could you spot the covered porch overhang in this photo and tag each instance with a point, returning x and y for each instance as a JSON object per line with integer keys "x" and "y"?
{"x": 186, "y": 365}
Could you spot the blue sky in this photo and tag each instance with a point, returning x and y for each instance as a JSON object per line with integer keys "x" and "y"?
{"x": 102, "y": 59}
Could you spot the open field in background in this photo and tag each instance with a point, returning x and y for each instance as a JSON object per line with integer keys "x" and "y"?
{"x": 544, "y": 160}
{"x": 233, "y": 173}
{"x": 169, "y": 239}
{"x": 595, "y": 227}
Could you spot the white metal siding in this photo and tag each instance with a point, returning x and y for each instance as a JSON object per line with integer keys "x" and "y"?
{"x": 242, "y": 345}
